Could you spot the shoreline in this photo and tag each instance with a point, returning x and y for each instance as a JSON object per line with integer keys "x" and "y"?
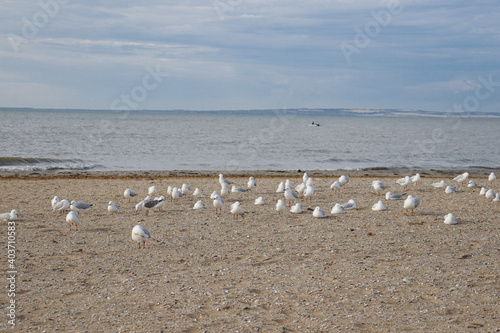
{"x": 144, "y": 174}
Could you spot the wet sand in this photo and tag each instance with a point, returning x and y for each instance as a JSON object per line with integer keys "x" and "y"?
{"x": 360, "y": 271}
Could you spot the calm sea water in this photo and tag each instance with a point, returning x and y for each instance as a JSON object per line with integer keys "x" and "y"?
{"x": 95, "y": 140}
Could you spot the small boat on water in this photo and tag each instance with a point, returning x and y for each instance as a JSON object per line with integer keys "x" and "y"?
{"x": 314, "y": 123}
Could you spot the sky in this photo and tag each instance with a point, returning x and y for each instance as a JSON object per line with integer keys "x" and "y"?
{"x": 242, "y": 54}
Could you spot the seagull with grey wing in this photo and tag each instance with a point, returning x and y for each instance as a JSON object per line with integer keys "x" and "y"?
{"x": 78, "y": 206}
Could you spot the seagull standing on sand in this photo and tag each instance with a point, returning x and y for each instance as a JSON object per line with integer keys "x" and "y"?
{"x": 61, "y": 206}
{"x": 415, "y": 179}
{"x": 492, "y": 177}
{"x": 140, "y": 235}
{"x": 54, "y": 201}
{"x": 12, "y": 216}
{"x": 112, "y": 208}
{"x": 236, "y": 210}
{"x": 281, "y": 187}
{"x": 462, "y": 178}
{"x": 251, "y": 183}
{"x": 378, "y": 186}
{"x": 176, "y": 194}
{"x": 223, "y": 180}
{"x": 290, "y": 196}
{"x": 152, "y": 191}
{"x": 280, "y": 206}
{"x": 319, "y": 213}
{"x": 301, "y": 188}
{"x": 405, "y": 181}
{"x": 224, "y": 191}
{"x": 185, "y": 189}
{"x": 309, "y": 192}
{"x": 411, "y": 203}
{"x": 71, "y": 218}
{"x": 78, "y": 206}
{"x": 336, "y": 185}
{"x": 218, "y": 204}
{"x": 214, "y": 195}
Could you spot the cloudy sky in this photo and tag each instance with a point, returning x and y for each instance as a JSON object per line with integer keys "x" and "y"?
{"x": 243, "y": 54}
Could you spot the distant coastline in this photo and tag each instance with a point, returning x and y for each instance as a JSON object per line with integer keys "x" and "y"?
{"x": 298, "y": 111}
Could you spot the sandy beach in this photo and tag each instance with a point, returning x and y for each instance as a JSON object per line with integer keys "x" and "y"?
{"x": 360, "y": 271}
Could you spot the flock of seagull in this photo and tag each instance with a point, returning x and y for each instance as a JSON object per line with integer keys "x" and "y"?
{"x": 305, "y": 191}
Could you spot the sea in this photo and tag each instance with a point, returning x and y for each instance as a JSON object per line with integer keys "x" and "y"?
{"x": 44, "y": 140}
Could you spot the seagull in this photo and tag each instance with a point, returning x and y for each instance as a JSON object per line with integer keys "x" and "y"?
{"x": 319, "y": 213}
{"x": 280, "y": 206}
{"x": 492, "y": 177}
{"x": 440, "y": 184}
{"x": 309, "y": 182}
{"x": 223, "y": 180}
{"x": 199, "y": 205}
{"x": 71, "y": 218}
{"x": 140, "y": 234}
{"x": 305, "y": 177}
{"x": 351, "y": 204}
{"x": 472, "y": 184}
{"x": 344, "y": 180}
{"x": 281, "y": 187}
{"x": 197, "y": 192}
{"x": 112, "y": 208}
{"x": 160, "y": 204}
{"x": 176, "y": 193}
{"x": 393, "y": 196}
{"x": 12, "y": 216}
{"x": 490, "y": 194}
{"x": 61, "y": 206}
{"x": 152, "y": 204}
{"x": 236, "y": 209}
{"x": 309, "y": 192}
{"x": 129, "y": 193}
{"x": 450, "y": 219}
{"x": 251, "y": 183}
{"x": 449, "y": 189}
{"x": 483, "y": 191}
{"x": 301, "y": 188}
{"x": 379, "y": 206}
{"x": 185, "y": 189}
{"x": 290, "y": 196}
{"x": 140, "y": 205}
{"x": 259, "y": 201}
{"x": 405, "y": 181}
{"x": 337, "y": 209}
{"x": 378, "y": 186}
{"x": 152, "y": 191}
{"x": 462, "y": 178}
{"x": 54, "y": 201}
{"x": 288, "y": 183}
{"x": 218, "y": 204}
{"x": 169, "y": 190}
{"x": 78, "y": 206}
{"x": 335, "y": 185}
{"x": 296, "y": 209}
{"x": 415, "y": 179}
{"x": 224, "y": 191}
{"x": 236, "y": 189}
{"x": 411, "y": 203}
{"x": 214, "y": 195}
{"x": 497, "y": 197}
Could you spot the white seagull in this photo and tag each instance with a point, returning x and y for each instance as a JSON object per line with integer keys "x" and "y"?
{"x": 236, "y": 209}
{"x": 214, "y": 195}
{"x": 492, "y": 177}
{"x": 378, "y": 186}
{"x": 301, "y": 188}
{"x": 472, "y": 184}
{"x": 296, "y": 209}
{"x": 337, "y": 209}
{"x": 223, "y": 180}
{"x": 462, "y": 178}
{"x": 351, "y": 204}
{"x": 319, "y": 213}
{"x": 450, "y": 189}
{"x": 309, "y": 192}
{"x": 405, "y": 181}
{"x": 290, "y": 196}
{"x": 140, "y": 234}
{"x": 411, "y": 203}
{"x": 281, "y": 187}
{"x": 497, "y": 197}
{"x": 450, "y": 219}
{"x": 336, "y": 185}
{"x": 415, "y": 179}
{"x": 344, "y": 180}
{"x": 112, "y": 208}
{"x": 129, "y": 193}
{"x": 490, "y": 194}
{"x": 61, "y": 206}
{"x": 236, "y": 189}
{"x": 251, "y": 183}
{"x": 12, "y": 216}
{"x": 185, "y": 189}
{"x": 71, "y": 218}
{"x": 152, "y": 191}
{"x": 197, "y": 192}
{"x": 379, "y": 206}
{"x": 218, "y": 204}
{"x": 393, "y": 196}
{"x": 280, "y": 206}
{"x": 78, "y": 206}
{"x": 482, "y": 191}
{"x": 259, "y": 201}
{"x": 199, "y": 205}
{"x": 440, "y": 184}
{"x": 224, "y": 191}
{"x": 54, "y": 201}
